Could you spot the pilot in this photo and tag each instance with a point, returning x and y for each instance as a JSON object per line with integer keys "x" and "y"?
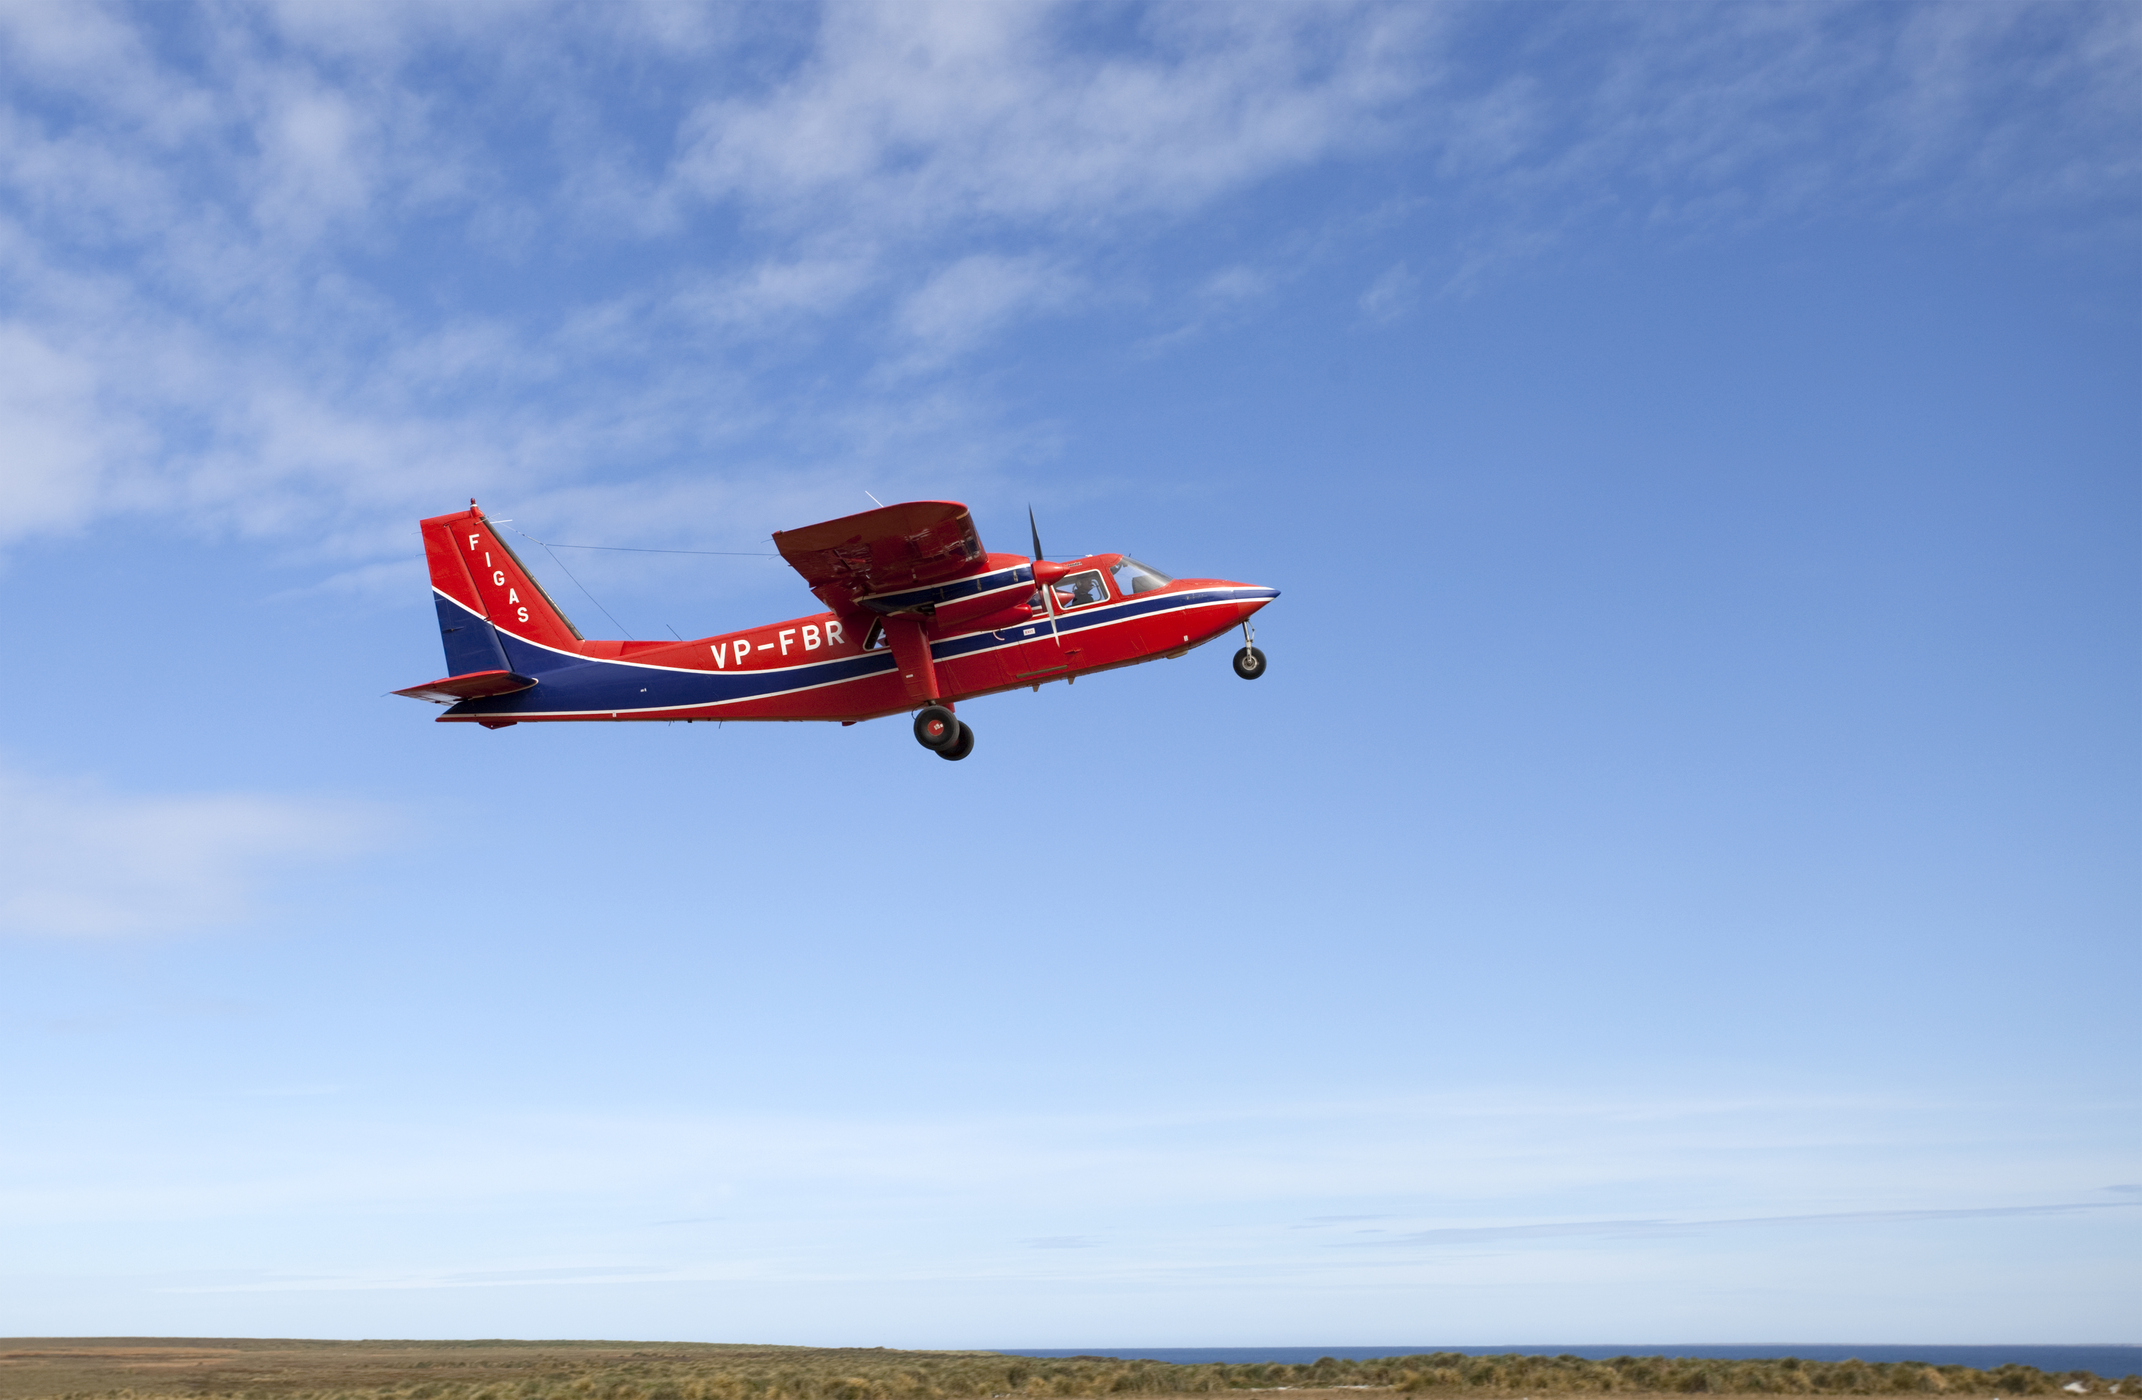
{"x": 1082, "y": 590}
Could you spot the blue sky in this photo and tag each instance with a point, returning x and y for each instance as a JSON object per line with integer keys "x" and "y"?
{"x": 1677, "y": 882}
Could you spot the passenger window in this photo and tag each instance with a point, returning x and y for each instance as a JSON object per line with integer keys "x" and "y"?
{"x": 1078, "y": 590}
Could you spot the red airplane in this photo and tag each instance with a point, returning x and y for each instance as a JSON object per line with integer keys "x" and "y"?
{"x": 921, "y": 618}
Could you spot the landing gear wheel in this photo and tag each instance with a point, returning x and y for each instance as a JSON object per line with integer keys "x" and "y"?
{"x": 959, "y": 748}
{"x": 936, "y": 728}
{"x": 1249, "y": 663}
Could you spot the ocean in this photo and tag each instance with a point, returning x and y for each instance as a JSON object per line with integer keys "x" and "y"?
{"x": 2111, "y": 1361}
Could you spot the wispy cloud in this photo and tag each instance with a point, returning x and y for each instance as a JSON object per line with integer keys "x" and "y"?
{"x": 77, "y": 860}
{"x": 1495, "y": 1186}
{"x": 269, "y": 266}
{"x": 378, "y": 1281}
{"x": 1391, "y": 295}
{"x": 1649, "y": 1229}
{"x": 969, "y": 301}
{"x": 914, "y": 118}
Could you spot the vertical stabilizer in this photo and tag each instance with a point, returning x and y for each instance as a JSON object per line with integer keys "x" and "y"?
{"x": 480, "y": 584}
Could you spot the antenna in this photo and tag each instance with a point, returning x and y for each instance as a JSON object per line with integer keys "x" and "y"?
{"x": 875, "y": 501}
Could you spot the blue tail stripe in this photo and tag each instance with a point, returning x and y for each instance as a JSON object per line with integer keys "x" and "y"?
{"x": 471, "y": 643}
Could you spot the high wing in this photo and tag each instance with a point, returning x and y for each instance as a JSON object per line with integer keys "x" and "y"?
{"x": 911, "y": 545}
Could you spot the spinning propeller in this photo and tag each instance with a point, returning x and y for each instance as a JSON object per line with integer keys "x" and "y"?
{"x": 1048, "y": 594}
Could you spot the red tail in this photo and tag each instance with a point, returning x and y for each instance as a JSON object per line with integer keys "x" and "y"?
{"x": 473, "y": 566}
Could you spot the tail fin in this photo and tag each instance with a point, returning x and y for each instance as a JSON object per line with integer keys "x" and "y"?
{"x": 482, "y": 590}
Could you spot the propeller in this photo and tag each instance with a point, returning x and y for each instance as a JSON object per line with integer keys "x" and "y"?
{"x": 1048, "y": 594}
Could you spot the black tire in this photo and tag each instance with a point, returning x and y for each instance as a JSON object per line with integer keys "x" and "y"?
{"x": 1249, "y": 663}
{"x": 959, "y": 748}
{"x": 936, "y": 728}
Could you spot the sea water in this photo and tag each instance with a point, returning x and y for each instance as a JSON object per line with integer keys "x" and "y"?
{"x": 2110, "y": 1362}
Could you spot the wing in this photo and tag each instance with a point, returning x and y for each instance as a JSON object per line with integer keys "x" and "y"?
{"x": 910, "y": 545}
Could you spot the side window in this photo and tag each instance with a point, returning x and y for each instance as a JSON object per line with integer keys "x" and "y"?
{"x": 1077, "y": 590}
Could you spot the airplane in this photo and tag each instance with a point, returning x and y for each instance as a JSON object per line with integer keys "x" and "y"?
{"x": 919, "y": 618}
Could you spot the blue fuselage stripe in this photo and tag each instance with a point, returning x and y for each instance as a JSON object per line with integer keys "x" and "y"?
{"x": 577, "y": 685}
{"x": 949, "y": 592}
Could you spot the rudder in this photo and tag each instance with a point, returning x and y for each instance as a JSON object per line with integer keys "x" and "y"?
{"x": 478, "y": 579}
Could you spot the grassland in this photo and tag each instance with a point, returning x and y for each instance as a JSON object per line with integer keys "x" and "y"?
{"x": 148, "y": 1368}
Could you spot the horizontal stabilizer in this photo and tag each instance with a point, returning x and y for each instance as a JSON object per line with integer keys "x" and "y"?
{"x": 455, "y": 689}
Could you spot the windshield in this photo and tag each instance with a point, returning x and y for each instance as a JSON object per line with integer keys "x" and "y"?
{"x": 1134, "y": 577}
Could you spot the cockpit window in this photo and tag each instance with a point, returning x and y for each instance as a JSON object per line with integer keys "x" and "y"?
{"x": 1133, "y": 577}
{"x": 1077, "y": 590}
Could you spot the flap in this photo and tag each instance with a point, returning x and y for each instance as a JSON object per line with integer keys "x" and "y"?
{"x": 455, "y": 689}
{"x": 884, "y": 550}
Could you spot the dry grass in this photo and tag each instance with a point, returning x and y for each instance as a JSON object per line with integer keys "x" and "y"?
{"x": 148, "y": 1368}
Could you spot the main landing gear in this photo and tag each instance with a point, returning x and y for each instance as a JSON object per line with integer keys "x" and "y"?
{"x": 1249, "y": 662}
{"x": 941, "y": 732}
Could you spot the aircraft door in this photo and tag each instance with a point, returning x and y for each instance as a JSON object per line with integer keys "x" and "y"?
{"x": 1046, "y": 652}
{"x": 1037, "y": 657}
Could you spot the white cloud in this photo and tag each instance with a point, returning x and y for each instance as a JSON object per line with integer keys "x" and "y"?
{"x": 1278, "y": 1187}
{"x": 1233, "y": 286}
{"x": 317, "y": 146}
{"x": 777, "y": 292}
{"x": 77, "y": 860}
{"x": 916, "y": 117}
{"x": 60, "y": 444}
{"x": 969, "y": 301}
{"x": 333, "y": 263}
{"x": 1197, "y": 1216}
{"x": 1391, "y": 295}
{"x": 1768, "y": 112}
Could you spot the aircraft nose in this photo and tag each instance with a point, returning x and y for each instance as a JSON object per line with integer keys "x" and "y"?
{"x": 1249, "y": 597}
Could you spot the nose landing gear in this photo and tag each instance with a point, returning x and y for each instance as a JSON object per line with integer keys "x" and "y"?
{"x": 1249, "y": 662}
{"x": 941, "y": 732}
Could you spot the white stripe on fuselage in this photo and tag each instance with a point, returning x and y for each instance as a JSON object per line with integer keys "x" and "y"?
{"x": 1084, "y": 619}
{"x": 680, "y": 670}
{"x": 1013, "y": 573}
